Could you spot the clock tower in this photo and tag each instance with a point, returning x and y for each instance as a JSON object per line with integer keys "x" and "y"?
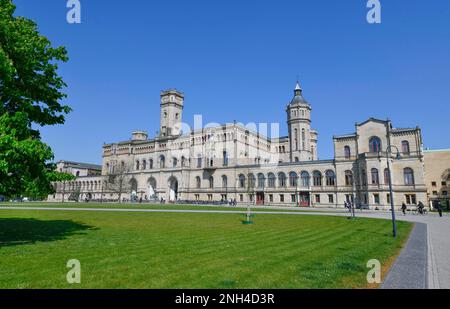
{"x": 172, "y": 103}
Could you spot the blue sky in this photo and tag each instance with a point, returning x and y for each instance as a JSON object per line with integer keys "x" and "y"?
{"x": 239, "y": 60}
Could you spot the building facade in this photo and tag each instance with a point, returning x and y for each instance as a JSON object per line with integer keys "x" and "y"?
{"x": 437, "y": 176}
{"x": 79, "y": 169}
{"x": 231, "y": 161}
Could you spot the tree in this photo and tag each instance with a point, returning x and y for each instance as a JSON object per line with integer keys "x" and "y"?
{"x": 119, "y": 181}
{"x": 30, "y": 95}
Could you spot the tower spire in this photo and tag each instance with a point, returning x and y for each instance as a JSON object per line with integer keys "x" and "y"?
{"x": 298, "y": 90}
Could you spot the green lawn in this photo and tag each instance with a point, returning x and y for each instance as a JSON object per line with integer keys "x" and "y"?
{"x": 173, "y": 250}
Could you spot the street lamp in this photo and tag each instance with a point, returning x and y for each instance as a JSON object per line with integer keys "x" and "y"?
{"x": 391, "y": 195}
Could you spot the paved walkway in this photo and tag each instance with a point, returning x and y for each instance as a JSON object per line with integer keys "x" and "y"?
{"x": 438, "y": 234}
{"x": 410, "y": 269}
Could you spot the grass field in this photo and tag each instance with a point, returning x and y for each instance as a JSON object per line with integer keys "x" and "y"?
{"x": 177, "y": 250}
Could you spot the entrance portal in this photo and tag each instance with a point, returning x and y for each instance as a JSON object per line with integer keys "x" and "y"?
{"x": 304, "y": 199}
{"x": 260, "y": 198}
{"x": 173, "y": 189}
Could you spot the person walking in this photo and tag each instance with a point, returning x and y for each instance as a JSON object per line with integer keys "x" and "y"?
{"x": 439, "y": 208}
{"x": 404, "y": 209}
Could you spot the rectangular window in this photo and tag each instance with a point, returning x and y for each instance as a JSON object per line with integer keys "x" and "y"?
{"x": 199, "y": 162}
{"x": 410, "y": 199}
{"x": 317, "y": 198}
{"x": 435, "y": 193}
{"x": 388, "y": 198}
{"x": 241, "y": 197}
{"x": 250, "y": 197}
{"x": 293, "y": 200}
{"x": 197, "y": 197}
{"x": 365, "y": 198}
{"x": 444, "y": 183}
{"x": 330, "y": 198}
{"x": 271, "y": 198}
{"x": 281, "y": 198}
{"x": 376, "y": 198}
{"x": 433, "y": 184}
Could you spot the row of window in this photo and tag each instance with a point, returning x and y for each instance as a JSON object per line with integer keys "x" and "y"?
{"x": 408, "y": 177}
{"x": 293, "y": 179}
{"x": 375, "y": 146}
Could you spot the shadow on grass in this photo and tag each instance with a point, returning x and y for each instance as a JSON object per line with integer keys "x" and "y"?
{"x": 18, "y": 231}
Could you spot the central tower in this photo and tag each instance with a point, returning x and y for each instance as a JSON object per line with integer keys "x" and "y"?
{"x": 172, "y": 103}
{"x": 301, "y": 139}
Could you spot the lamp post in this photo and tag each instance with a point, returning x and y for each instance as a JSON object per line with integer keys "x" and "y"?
{"x": 391, "y": 195}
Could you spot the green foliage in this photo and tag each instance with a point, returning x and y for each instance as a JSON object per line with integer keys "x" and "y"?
{"x": 23, "y": 157}
{"x": 30, "y": 94}
{"x": 28, "y": 70}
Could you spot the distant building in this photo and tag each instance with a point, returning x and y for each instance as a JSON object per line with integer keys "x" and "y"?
{"x": 79, "y": 169}
{"x": 230, "y": 161}
{"x": 437, "y": 176}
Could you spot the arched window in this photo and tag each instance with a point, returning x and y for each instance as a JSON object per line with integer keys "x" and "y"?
{"x": 225, "y": 158}
{"x": 374, "y": 145}
{"x": 144, "y": 164}
{"x": 198, "y": 182}
{"x": 281, "y": 180}
{"x": 211, "y": 182}
{"x": 183, "y": 161}
{"x": 296, "y": 138}
{"x": 375, "y": 176}
{"x": 162, "y": 161}
{"x": 241, "y": 181}
{"x": 137, "y": 165}
{"x": 348, "y": 178}
{"x": 293, "y": 179}
{"x": 78, "y": 172}
{"x": 175, "y": 162}
{"x": 224, "y": 181}
{"x": 409, "y": 176}
{"x": 251, "y": 181}
{"x": 271, "y": 178}
{"x": 405, "y": 147}
{"x": 330, "y": 178}
{"x": 386, "y": 176}
{"x": 305, "y": 179}
{"x": 150, "y": 163}
{"x": 261, "y": 180}
{"x": 303, "y": 139}
{"x": 317, "y": 179}
{"x": 347, "y": 152}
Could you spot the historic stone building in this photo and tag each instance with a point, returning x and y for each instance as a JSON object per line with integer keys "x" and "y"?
{"x": 231, "y": 161}
{"x": 79, "y": 169}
